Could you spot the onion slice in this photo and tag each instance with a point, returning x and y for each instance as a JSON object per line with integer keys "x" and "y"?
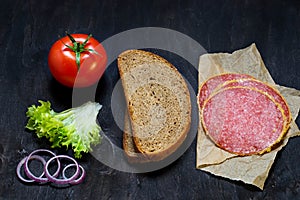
{"x": 78, "y": 180}
{"x": 40, "y": 179}
{"x": 52, "y": 178}
{"x": 58, "y": 177}
{"x": 21, "y": 163}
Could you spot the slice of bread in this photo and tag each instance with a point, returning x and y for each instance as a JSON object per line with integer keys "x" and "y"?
{"x": 132, "y": 153}
{"x": 158, "y": 103}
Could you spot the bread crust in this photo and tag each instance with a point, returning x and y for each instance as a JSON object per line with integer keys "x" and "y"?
{"x": 144, "y": 57}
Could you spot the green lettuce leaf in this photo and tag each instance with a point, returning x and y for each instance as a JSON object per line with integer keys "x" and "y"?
{"x": 75, "y": 127}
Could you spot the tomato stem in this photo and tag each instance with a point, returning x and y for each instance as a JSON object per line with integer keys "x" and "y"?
{"x": 78, "y": 48}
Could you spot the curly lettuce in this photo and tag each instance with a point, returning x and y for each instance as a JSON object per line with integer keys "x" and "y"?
{"x": 75, "y": 127}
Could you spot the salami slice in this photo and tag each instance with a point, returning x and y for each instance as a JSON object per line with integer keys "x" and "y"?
{"x": 212, "y": 83}
{"x": 243, "y": 120}
{"x": 253, "y": 83}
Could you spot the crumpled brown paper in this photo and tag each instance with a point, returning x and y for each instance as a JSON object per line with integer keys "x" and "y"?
{"x": 210, "y": 158}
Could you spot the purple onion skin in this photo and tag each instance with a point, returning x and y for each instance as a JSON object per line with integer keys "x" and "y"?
{"x": 21, "y": 163}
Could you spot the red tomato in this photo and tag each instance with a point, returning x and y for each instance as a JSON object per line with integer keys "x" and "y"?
{"x": 90, "y": 64}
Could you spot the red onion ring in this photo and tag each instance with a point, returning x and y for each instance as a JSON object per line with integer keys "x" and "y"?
{"x": 53, "y": 178}
{"x": 21, "y": 163}
{"x": 40, "y": 179}
{"x": 45, "y": 175}
{"x": 78, "y": 180}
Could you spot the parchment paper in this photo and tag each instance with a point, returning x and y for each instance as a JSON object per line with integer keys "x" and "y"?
{"x": 210, "y": 158}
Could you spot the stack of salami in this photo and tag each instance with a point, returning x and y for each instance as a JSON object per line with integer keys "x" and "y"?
{"x": 243, "y": 115}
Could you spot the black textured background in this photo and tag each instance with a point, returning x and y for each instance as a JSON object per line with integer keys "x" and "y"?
{"x": 29, "y": 28}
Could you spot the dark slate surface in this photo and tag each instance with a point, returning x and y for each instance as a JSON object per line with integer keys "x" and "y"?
{"x": 27, "y": 30}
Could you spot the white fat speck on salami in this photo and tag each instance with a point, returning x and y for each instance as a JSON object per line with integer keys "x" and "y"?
{"x": 243, "y": 120}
